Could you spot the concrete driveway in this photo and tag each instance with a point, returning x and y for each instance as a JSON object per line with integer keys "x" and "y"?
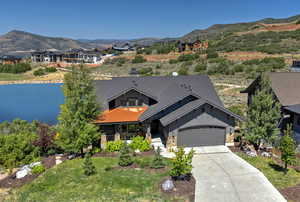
{"x": 223, "y": 176}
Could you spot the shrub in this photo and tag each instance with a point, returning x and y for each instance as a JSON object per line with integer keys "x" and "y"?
{"x": 288, "y": 148}
{"x": 38, "y": 169}
{"x": 173, "y": 61}
{"x": 200, "y": 68}
{"x": 182, "y": 164}
{"x": 138, "y": 59}
{"x": 114, "y": 146}
{"x": 158, "y": 161}
{"x": 88, "y": 166}
{"x": 183, "y": 71}
{"x": 39, "y": 72}
{"x": 15, "y": 68}
{"x": 45, "y": 140}
{"x": 143, "y": 163}
{"x": 212, "y": 54}
{"x": 147, "y": 71}
{"x": 239, "y": 68}
{"x": 140, "y": 143}
{"x": 125, "y": 158}
{"x": 187, "y": 57}
{"x": 50, "y": 69}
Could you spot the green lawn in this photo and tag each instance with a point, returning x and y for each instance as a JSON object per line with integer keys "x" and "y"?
{"x": 12, "y": 77}
{"x": 66, "y": 182}
{"x": 273, "y": 171}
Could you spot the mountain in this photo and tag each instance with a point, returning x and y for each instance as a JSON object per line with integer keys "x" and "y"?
{"x": 20, "y": 41}
{"x": 215, "y": 31}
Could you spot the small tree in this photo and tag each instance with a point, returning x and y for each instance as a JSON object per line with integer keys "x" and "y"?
{"x": 263, "y": 115}
{"x": 287, "y": 148}
{"x": 182, "y": 164}
{"x": 125, "y": 158}
{"x": 158, "y": 161}
{"x": 88, "y": 166}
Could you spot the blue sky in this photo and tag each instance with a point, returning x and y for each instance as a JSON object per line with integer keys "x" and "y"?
{"x": 128, "y": 19}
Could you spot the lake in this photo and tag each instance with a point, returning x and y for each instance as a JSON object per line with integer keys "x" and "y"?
{"x": 31, "y": 102}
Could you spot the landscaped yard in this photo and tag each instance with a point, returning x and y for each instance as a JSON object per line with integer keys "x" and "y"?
{"x": 12, "y": 77}
{"x": 273, "y": 171}
{"x": 67, "y": 182}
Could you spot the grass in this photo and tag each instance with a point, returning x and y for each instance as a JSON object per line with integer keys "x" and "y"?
{"x": 12, "y": 77}
{"x": 66, "y": 182}
{"x": 273, "y": 171}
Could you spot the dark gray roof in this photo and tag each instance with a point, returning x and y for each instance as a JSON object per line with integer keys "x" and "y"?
{"x": 294, "y": 108}
{"x": 285, "y": 85}
{"x": 166, "y": 91}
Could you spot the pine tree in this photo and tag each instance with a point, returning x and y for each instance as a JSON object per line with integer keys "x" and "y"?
{"x": 88, "y": 166}
{"x": 263, "y": 116}
{"x": 79, "y": 109}
{"x": 158, "y": 160}
{"x": 288, "y": 148}
{"x": 125, "y": 158}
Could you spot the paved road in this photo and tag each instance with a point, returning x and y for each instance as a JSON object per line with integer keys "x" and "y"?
{"x": 225, "y": 177}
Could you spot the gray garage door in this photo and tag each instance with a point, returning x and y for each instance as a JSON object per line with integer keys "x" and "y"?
{"x": 201, "y": 136}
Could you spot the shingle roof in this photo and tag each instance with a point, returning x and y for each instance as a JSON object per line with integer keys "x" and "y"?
{"x": 165, "y": 90}
{"x": 285, "y": 85}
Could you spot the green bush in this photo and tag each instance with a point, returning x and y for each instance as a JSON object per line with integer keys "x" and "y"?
{"x": 140, "y": 143}
{"x": 158, "y": 161}
{"x": 38, "y": 169}
{"x": 88, "y": 166}
{"x": 187, "y": 57}
{"x": 288, "y": 148}
{"x": 200, "y": 68}
{"x": 182, "y": 163}
{"x": 183, "y": 71}
{"x": 138, "y": 59}
{"x": 173, "y": 61}
{"x": 143, "y": 163}
{"x": 125, "y": 158}
{"x": 239, "y": 68}
{"x": 39, "y": 72}
{"x": 15, "y": 68}
{"x": 114, "y": 146}
{"x": 212, "y": 54}
{"x": 147, "y": 71}
{"x": 50, "y": 69}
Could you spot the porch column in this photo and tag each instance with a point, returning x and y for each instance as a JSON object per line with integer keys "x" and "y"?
{"x": 117, "y": 133}
{"x": 148, "y": 132}
{"x": 103, "y": 141}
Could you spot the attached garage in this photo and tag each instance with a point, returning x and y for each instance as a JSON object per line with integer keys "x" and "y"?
{"x": 201, "y": 136}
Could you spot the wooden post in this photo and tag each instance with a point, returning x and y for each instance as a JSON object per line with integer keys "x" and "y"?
{"x": 103, "y": 141}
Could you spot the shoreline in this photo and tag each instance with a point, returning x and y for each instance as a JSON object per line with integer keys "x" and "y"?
{"x": 30, "y": 82}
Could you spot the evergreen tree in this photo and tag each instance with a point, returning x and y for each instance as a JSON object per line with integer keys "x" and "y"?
{"x": 158, "y": 160}
{"x": 263, "y": 115}
{"x": 125, "y": 158}
{"x": 79, "y": 109}
{"x": 88, "y": 166}
{"x": 288, "y": 148}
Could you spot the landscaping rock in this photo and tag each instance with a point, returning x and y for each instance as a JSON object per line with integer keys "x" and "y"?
{"x": 137, "y": 151}
{"x": 251, "y": 153}
{"x": 168, "y": 185}
{"x": 25, "y": 170}
{"x": 72, "y": 156}
{"x": 266, "y": 154}
{"x": 58, "y": 161}
{"x": 34, "y": 164}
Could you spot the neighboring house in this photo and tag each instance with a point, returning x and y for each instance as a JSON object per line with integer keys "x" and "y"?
{"x": 295, "y": 66}
{"x": 10, "y": 59}
{"x": 71, "y": 56}
{"x": 123, "y": 47}
{"x": 196, "y": 45}
{"x": 181, "y": 110}
{"x": 286, "y": 90}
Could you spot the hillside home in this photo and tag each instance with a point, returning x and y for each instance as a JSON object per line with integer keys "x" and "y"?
{"x": 196, "y": 45}
{"x": 10, "y": 59}
{"x": 295, "y": 66}
{"x": 286, "y": 90}
{"x": 181, "y": 110}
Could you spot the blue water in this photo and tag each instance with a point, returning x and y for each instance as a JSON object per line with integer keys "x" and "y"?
{"x": 31, "y": 102}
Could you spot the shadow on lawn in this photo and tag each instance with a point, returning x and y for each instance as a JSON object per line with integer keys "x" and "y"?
{"x": 276, "y": 167}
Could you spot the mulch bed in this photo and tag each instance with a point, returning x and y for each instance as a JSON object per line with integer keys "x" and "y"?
{"x": 12, "y": 182}
{"x": 182, "y": 188}
{"x": 291, "y": 193}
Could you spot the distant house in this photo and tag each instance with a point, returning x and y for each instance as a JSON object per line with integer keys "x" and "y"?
{"x": 71, "y": 56}
{"x": 295, "y": 66}
{"x": 123, "y": 47}
{"x": 180, "y": 111}
{"x": 10, "y": 59}
{"x": 286, "y": 90}
{"x": 196, "y": 45}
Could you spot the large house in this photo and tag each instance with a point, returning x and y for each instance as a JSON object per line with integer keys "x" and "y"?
{"x": 286, "y": 90}
{"x": 180, "y": 110}
{"x": 10, "y": 59}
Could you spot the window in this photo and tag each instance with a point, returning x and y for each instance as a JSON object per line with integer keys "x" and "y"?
{"x": 132, "y": 102}
{"x": 123, "y": 103}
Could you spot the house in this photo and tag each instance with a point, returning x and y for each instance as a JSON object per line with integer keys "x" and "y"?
{"x": 180, "y": 111}
{"x": 10, "y": 59}
{"x": 46, "y": 56}
{"x": 196, "y": 45}
{"x": 286, "y": 90}
{"x": 123, "y": 47}
{"x": 295, "y": 66}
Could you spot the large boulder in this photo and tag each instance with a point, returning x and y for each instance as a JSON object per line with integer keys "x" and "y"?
{"x": 25, "y": 170}
{"x": 168, "y": 185}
